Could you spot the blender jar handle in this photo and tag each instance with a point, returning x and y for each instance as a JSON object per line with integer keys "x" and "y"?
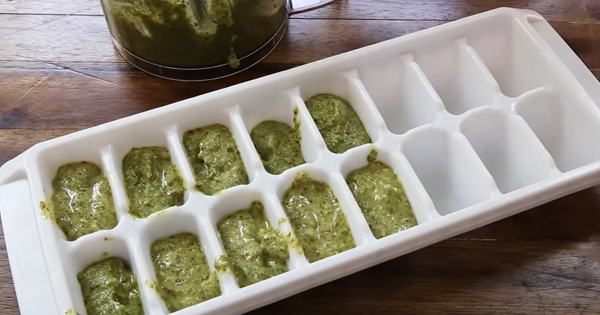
{"x": 299, "y": 6}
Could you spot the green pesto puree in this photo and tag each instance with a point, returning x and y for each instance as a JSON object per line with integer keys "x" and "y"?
{"x": 254, "y": 250}
{"x": 82, "y": 202}
{"x": 215, "y": 159}
{"x": 381, "y": 198}
{"x": 152, "y": 181}
{"x": 317, "y": 219}
{"x": 278, "y": 145}
{"x": 182, "y": 272}
{"x": 179, "y": 33}
{"x": 109, "y": 287}
{"x": 337, "y": 122}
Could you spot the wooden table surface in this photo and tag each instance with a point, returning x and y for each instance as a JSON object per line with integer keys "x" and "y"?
{"x": 59, "y": 74}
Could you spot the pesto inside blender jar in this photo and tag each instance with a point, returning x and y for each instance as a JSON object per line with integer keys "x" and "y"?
{"x": 170, "y": 37}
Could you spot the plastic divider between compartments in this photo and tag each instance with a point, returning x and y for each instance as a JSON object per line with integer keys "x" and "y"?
{"x": 401, "y": 93}
{"x": 244, "y": 143}
{"x": 178, "y": 156}
{"x": 280, "y": 107}
{"x": 114, "y": 175}
{"x": 457, "y": 76}
{"x": 213, "y": 250}
{"x": 242, "y": 199}
{"x": 297, "y": 259}
{"x": 449, "y": 169}
{"x": 564, "y": 124}
{"x": 517, "y": 63}
{"x": 508, "y": 148}
{"x": 345, "y": 86}
{"x": 358, "y": 225}
{"x": 551, "y": 40}
{"x": 388, "y": 154}
{"x": 310, "y": 135}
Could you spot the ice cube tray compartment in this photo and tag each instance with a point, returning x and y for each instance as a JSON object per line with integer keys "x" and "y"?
{"x": 516, "y": 62}
{"x": 508, "y": 148}
{"x": 567, "y": 128}
{"x": 400, "y": 92}
{"x": 344, "y": 85}
{"x": 281, "y": 108}
{"x": 448, "y": 168}
{"x": 474, "y": 117}
{"x": 233, "y": 202}
{"x": 457, "y": 76}
{"x": 358, "y": 225}
{"x": 94, "y": 250}
{"x": 422, "y": 206}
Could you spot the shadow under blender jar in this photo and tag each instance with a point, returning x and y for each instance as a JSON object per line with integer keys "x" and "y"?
{"x": 196, "y": 40}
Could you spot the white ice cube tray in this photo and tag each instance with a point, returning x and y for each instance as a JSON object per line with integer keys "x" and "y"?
{"x": 481, "y": 118}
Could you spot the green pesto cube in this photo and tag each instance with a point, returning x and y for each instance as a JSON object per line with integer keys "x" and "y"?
{"x": 337, "y": 122}
{"x": 82, "y": 202}
{"x": 215, "y": 159}
{"x": 109, "y": 287}
{"x": 381, "y": 198}
{"x": 317, "y": 218}
{"x": 278, "y": 145}
{"x": 182, "y": 273}
{"x": 152, "y": 181}
{"x": 254, "y": 250}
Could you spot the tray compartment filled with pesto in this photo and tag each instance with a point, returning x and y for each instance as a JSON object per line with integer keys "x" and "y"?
{"x": 229, "y": 201}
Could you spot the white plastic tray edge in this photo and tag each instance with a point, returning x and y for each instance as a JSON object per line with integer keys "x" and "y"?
{"x": 25, "y": 246}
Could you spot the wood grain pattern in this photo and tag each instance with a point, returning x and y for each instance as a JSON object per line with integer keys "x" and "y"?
{"x": 59, "y": 74}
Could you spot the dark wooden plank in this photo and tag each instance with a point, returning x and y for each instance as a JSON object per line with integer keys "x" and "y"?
{"x": 46, "y": 7}
{"x": 88, "y": 95}
{"x": 475, "y": 278}
{"x": 448, "y": 10}
{"x": 13, "y": 23}
{"x": 452, "y": 277}
{"x": 79, "y": 71}
{"x": 8, "y": 300}
{"x": 14, "y": 141}
{"x": 434, "y": 10}
{"x": 86, "y": 39}
{"x": 571, "y": 218}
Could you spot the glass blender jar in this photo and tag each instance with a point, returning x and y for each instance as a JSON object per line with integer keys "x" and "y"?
{"x": 196, "y": 40}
